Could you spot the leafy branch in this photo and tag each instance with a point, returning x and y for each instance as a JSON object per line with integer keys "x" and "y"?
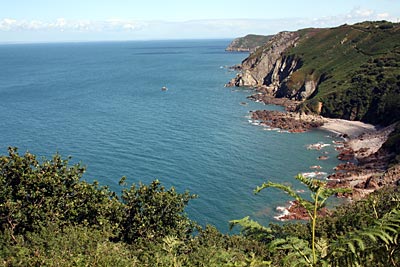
{"x": 319, "y": 195}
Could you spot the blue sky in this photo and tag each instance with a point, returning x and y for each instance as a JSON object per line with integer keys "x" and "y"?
{"x": 90, "y": 20}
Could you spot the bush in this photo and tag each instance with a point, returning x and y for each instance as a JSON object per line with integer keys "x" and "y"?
{"x": 151, "y": 212}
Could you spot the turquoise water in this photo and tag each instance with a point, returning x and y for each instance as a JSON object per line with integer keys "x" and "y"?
{"x": 102, "y": 104}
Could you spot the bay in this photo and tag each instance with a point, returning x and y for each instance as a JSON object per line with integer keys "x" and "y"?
{"x": 102, "y": 104}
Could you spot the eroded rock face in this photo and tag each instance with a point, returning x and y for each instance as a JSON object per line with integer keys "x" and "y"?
{"x": 267, "y": 65}
{"x": 245, "y": 79}
{"x": 270, "y": 67}
{"x": 308, "y": 89}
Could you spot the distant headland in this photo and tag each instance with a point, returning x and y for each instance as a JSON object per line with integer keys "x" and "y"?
{"x": 248, "y": 43}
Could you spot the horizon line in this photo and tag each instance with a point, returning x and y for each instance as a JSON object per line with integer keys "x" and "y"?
{"x": 113, "y": 41}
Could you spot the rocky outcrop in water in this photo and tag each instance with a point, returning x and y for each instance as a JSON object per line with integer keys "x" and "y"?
{"x": 287, "y": 121}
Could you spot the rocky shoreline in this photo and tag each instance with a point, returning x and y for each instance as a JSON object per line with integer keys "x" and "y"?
{"x": 365, "y": 164}
{"x": 265, "y": 97}
{"x": 364, "y": 168}
{"x": 283, "y": 71}
{"x": 289, "y": 121}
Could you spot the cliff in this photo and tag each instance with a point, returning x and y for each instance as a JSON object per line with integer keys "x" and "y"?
{"x": 248, "y": 43}
{"x": 350, "y": 72}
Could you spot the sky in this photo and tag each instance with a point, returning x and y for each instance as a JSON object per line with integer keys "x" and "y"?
{"x": 108, "y": 20}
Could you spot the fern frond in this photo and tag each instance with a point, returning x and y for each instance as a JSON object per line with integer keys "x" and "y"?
{"x": 252, "y": 228}
{"x": 370, "y": 235}
{"x": 351, "y": 246}
{"x": 360, "y": 243}
{"x": 305, "y": 203}
{"x": 327, "y": 192}
{"x": 277, "y": 244}
{"x": 322, "y": 246}
{"x": 298, "y": 250}
{"x": 312, "y": 184}
{"x": 248, "y": 223}
{"x": 384, "y": 230}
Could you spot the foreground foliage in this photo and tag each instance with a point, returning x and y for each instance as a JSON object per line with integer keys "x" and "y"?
{"x": 50, "y": 217}
{"x": 362, "y": 234}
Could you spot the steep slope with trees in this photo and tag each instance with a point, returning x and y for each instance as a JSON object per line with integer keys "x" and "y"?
{"x": 349, "y": 72}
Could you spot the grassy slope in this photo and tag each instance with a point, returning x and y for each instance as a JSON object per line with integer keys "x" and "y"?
{"x": 358, "y": 68}
{"x": 251, "y": 41}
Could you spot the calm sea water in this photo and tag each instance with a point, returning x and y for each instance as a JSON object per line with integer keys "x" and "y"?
{"x": 102, "y": 104}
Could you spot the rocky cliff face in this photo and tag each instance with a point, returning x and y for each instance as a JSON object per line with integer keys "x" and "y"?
{"x": 271, "y": 68}
{"x": 348, "y": 72}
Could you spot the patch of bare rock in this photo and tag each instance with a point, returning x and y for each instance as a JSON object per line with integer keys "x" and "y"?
{"x": 288, "y": 121}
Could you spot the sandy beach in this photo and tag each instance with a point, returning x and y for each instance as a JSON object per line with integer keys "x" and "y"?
{"x": 351, "y": 128}
{"x": 364, "y": 139}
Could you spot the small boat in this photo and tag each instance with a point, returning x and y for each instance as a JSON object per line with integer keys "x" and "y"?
{"x": 164, "y": 88}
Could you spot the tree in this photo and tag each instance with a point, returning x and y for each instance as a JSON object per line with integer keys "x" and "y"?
{"x": 152, "y": 212}
{"x": 35, "y": 194}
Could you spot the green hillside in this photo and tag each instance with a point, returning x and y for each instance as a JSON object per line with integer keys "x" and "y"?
{"x": 357, "y": 68}
{"x": 248, "y": 43}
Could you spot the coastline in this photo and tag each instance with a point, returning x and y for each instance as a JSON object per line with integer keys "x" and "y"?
{"x": 364, "y": 166}
{"x": 352, "y": 129}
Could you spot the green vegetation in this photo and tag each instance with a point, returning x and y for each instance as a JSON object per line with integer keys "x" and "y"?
{"x": 50, "y": 217}
{"x": 357, "y": 68}
{"x": 320, "y": 194}
{"x": 392, "y": 145}
{"x": 362, "y": 234}
{"x": 249, "y": 42}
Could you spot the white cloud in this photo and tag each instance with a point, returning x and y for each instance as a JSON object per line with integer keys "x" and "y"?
{"x": 7, "y": 24}
{"x": 129, "y": 26}
{"x": 383, "y": 16}
{"x": 355, "y": 15}
{"x": 359, "y": 12}
{"x": 35, "y": 25}
{"x": 117, "y": 29}
{"x": 62, "y": 24}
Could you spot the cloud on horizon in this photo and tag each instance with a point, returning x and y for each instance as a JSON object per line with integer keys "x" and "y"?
{"x": 64, "y": 29}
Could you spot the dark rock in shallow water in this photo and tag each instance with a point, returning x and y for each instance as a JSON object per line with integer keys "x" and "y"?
{"x": 286, "y": 121}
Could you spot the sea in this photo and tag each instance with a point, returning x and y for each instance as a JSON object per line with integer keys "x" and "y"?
{"x": 101, "y": 103}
